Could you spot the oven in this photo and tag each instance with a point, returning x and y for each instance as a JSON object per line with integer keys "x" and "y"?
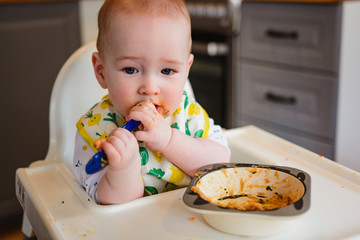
{"x": 215, "y": 36}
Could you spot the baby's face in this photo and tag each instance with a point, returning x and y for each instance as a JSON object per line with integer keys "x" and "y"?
{"x": 147, "y": 58}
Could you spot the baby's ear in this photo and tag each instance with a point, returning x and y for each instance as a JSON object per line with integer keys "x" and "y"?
{"x": 98, "y": 69}
{"x": 190, "y": 62}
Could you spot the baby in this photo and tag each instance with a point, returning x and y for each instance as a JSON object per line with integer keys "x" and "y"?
{"x": 144, "y": 60}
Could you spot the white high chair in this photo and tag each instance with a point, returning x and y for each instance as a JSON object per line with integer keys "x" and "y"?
{"x": 57, "y": 207}
{"x": 74, "y": 92}
{"x": 75, "y": 89}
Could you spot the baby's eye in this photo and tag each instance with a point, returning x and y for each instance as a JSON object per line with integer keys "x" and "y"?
{"x": 167, "y": 71}
{"x": 130, "y": 70}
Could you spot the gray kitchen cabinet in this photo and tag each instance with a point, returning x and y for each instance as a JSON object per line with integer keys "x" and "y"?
{"x": 289, "y": 67}
{"x": 35, "y": 40}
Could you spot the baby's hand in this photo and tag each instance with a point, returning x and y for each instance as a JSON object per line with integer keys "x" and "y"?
{"x": 99, "y": 142}
{"x": 154, "y": 130}
{"x": 121, "y": 149}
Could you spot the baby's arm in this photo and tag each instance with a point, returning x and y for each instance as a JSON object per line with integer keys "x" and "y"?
{"x": 186, "y": 152}
{"x": 190, "y": 153}
{"x": 122, "y": 181}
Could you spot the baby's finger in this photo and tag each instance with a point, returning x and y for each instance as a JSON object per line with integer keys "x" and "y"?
{"x": 118, "y": 140}
{"x": 112, "y": 154}
{"x": 121, "y": 133}
{"x": 141, "y": 136}
{"x": 142, "y": 116}
{"x": 145, "y": 106}
{"x": 98, "y": 143}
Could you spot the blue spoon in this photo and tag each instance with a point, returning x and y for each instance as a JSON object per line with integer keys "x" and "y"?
{"x": 99, "y": 160}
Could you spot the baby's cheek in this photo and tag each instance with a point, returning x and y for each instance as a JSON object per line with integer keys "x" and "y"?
{"x": 166, "y": 113}
{"x": 174, "y": 103}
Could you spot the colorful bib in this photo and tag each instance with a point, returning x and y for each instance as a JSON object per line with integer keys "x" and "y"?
{"x": 158, "y": 173}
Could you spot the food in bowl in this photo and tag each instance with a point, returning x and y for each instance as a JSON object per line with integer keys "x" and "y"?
{"x": 249, "y": 188}
{"x": 249, "y": 199}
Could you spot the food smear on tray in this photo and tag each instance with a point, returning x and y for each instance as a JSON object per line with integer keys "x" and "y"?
{"x": 249, "y": 188}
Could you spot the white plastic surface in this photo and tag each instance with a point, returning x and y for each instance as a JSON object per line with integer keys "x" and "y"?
{"x": 75, "y": 91}
{"x": 58, "y": 208}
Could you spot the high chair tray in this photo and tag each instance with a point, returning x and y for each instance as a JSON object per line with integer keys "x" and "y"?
{"x": 58, "y": 207}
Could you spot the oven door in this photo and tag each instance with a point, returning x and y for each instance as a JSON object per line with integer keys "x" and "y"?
{"x": 209, "y": 75}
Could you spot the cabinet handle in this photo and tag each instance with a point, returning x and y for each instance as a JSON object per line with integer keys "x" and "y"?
{"x": 280, "y": 99}
{"x": 278, "y": 34}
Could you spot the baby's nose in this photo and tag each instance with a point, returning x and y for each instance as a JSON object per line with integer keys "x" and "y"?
{"x": 149, "y": 87}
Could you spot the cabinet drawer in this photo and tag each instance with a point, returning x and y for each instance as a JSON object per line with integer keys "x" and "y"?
{"x": 305, "y": 35}
{"x": 297, "y": 100}
{"x": 325, "y": 148}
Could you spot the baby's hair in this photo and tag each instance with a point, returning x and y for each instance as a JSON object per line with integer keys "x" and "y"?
{"x": 172, "y": 8}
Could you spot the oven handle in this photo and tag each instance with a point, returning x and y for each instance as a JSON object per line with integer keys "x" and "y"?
{"x": 212, "y": 49}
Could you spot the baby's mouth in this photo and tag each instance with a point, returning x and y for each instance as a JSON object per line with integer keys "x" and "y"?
{"x": 161, "y": 110}
{"x": 158, "y": 108}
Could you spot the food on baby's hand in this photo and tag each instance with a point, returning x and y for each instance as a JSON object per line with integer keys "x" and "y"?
{"x": 98, "y": 142}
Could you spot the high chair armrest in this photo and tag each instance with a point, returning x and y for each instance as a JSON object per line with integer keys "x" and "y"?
{"x": 42, "y": 189}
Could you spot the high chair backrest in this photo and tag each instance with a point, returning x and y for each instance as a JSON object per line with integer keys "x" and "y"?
{"x": 75, "y": 91}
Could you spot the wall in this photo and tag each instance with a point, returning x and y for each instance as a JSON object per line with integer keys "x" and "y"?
{"x": 88, "y": 10}
{"x": 348, "y": 121}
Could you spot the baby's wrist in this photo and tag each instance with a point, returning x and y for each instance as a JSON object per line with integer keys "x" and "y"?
{"x": 115, "y": 175}
{"x": 168, "y": 145}
{"x": 165, "y": 142}
{"x": 132, "y": 164}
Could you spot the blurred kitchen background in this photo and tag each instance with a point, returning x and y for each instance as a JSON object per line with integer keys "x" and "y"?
{"x": 289, "y": 67}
